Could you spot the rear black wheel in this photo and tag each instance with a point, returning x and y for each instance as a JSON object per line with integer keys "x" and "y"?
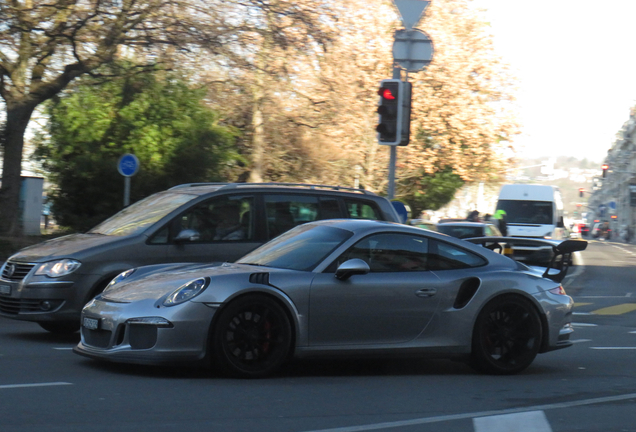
{"x": 61, "y": 327}
{"x": 507, "y": 336}
{"x": 252, "y": 337}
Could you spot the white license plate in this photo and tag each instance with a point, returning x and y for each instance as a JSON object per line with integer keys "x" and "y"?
{"x": 5, "y": 289}
{"x": 90, "y": 323}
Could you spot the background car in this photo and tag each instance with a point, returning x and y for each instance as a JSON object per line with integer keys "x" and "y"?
{"x": 424, "y": 223}
{"x": 465, "y": 229}
{"x": 376, "y": 288}
{"x": 50, "y": 282}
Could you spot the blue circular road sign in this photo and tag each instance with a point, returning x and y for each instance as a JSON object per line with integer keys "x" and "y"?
{"x": 128, "y": 165}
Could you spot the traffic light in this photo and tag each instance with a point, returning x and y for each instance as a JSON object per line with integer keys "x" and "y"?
{"x": 604, "y": 167}
{"x": 614, "y": 217}
{"x": 394, "y": 109}
{"x": 581, "y": 190}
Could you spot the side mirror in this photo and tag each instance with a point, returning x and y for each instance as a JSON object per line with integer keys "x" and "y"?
{"x": 187, "y": 235}
{"x": 352, "y": 267}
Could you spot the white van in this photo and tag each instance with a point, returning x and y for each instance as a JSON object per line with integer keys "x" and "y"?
{"x": 533, "y": 211}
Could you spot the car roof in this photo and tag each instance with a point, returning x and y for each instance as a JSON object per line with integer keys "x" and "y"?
{"x": 205, "y": 188}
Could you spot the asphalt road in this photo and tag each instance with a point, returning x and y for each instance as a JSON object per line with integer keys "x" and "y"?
{"x": 591, "y": 386}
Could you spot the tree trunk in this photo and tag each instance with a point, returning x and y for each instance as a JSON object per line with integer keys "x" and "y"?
{"x": 18, "y": 117}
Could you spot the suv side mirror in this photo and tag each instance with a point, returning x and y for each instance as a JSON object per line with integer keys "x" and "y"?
{"x": 351, "y": 267}
{"x": 187, "y": 235}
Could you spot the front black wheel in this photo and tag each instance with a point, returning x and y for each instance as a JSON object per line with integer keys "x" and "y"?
{"x": 60, "y": 327}
{"x": 252, "y": 337}
{"x": 506, "y": 336}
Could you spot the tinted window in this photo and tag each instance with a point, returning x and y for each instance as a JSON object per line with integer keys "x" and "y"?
{"x": 284, "y": 212}
{"x": 142, "y": 214}
{"x": 528, "y": 212}
{"x": 302, "y": 248}
{"x": 357, "y": 209}
{"x": 218, "y": 219}
{"x": 445, "y": 256}
{"x": 388, "y": 253}
{"x": 460, "y": 231}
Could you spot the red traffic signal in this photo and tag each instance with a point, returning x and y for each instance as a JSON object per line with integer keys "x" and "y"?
{"x": 604, "y": 167}
{"x": 614, "y": 217}
{"x": 387, "y": 93}
{"x": 581, "y": 190}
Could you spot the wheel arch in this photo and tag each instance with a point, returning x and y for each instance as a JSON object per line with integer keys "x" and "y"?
{"x": 520, "y": 294}
{"x": 279, "y": 297}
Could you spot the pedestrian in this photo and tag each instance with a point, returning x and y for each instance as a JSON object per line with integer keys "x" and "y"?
{"x": 500, "y": 217}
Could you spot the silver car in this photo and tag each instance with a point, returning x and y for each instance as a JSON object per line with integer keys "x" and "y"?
{"x": 335, "y": 288}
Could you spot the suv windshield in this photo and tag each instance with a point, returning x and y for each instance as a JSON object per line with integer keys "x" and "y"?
{"x": 302, "y": 248}
{"x": 142, "y": 214}
{"x": 527, "y": 212}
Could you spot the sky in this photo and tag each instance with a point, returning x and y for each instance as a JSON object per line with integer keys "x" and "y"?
{"x": 576, "y": 65}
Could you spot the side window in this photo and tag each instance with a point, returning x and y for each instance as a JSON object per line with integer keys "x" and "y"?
{"x": 357, "y": 209}
{"x": 445, "y": 256}
{"x": 388, "y": 253}
{"x": 286, "y": 211}
{"x": 329, "y": 209}
{"x": 220, "y": 219}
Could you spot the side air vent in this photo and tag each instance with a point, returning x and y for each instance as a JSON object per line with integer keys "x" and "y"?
{"x": 466, "y": 292}
{"x": 260, "y": 278}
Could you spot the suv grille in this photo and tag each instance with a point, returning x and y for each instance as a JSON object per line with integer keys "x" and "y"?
{"x": 14, "y": 271}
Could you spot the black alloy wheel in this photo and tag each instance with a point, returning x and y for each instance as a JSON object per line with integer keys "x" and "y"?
{"x": 252, "y": 337}
{"x": 507, "y": 336}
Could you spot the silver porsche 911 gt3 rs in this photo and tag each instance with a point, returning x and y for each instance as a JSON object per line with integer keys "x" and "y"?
{"x": 329, "y": 288}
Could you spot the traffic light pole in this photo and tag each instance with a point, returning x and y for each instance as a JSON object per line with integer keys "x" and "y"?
{"x": 393, "y": 156}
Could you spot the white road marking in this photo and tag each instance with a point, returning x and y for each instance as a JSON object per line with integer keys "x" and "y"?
{"x": 531, "y": 421}
{"x": 10, "y": 386}
{"x": 451, "y": 417}
{"x": 581, "y": 340}
{"x": 584, "y": 325}
{"x": 613, "y": 348}
{"x": 63, "y": 348}
{"x": 581, "y": 313}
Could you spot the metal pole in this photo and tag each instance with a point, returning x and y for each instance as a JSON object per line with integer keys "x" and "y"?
{"x": 126, "y": 191}
{"x": 393, "y": 157}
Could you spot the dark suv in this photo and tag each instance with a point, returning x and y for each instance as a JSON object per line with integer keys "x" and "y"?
{"x": 50, "y": 282}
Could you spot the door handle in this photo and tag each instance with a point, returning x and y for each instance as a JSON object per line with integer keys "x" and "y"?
{"x": 426, "y": 292}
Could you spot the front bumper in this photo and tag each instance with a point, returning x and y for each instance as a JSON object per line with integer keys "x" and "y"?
{"x": 40, "y": 298}
{"x": 184, "y": 340}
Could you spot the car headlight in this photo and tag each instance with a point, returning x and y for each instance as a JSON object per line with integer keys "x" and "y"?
{"x": 187, "y": 291}
{"x": 58, "y": 268}
{"x": 120, "y": 277}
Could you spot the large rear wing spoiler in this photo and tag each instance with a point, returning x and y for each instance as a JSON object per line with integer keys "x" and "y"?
{"x": 561, "y": 257}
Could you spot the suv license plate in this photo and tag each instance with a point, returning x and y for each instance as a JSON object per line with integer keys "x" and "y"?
{"x": 5, "y": 289}
{"x": 90, "y": 323}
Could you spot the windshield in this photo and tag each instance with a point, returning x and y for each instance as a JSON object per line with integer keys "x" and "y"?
{"x": 139, "y": 216}
{"x": 302, "y": 248}
{"x": 527, "y": 212}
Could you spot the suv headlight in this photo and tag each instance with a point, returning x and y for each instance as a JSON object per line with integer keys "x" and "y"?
{"x": 58, "y": 268}
{"x": 187, "y": 291}
{"x": 120, "y": 277}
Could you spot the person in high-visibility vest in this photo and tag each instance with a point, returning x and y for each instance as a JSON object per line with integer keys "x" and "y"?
{"x": 500, "y": 216}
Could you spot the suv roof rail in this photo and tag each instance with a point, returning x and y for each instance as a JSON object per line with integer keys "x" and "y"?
{"x": 306, "y": 185}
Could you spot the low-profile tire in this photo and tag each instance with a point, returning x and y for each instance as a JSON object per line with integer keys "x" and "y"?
{"x": 60, "y": 327}
{"x": 252, "y": 337}
{"x": 506, "y": 336}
